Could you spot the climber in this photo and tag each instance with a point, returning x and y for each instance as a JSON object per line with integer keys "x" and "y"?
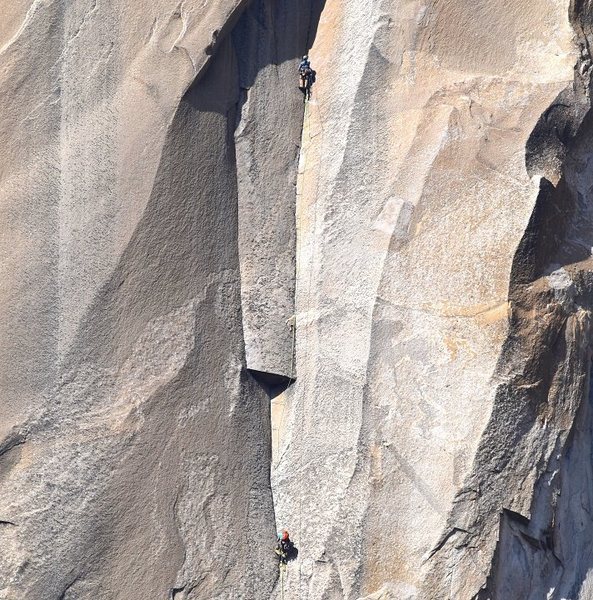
{"x": 306, "y": 77}
{"x": 285, "y": 548}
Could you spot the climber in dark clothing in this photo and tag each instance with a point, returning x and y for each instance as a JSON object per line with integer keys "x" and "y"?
{"x": 285, "y": 549}
{"x": 306, "y": 77}
{"x": 305, "y": 64}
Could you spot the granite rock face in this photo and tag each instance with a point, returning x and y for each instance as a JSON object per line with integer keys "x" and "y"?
{"x": 384, "y": 293}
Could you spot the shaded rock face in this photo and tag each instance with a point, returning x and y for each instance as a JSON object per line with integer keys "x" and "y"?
{"x": 183, "y": 237}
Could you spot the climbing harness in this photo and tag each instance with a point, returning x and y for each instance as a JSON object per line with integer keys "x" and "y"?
{"x": 308, "y": 77}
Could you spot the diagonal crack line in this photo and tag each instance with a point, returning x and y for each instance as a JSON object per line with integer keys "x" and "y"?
{"x": 445, "y": 539}
{"x": 87, "y": 15}
{"x": 15, "y": 439}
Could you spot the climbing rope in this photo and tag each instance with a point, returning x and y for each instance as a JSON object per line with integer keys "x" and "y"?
{"x": 307, "y": 125}
{"x": 292, "y": 324}
{"x": 292, "y": 321}
{"x": 282, "y": 572}
{"x": 307, "y": 120}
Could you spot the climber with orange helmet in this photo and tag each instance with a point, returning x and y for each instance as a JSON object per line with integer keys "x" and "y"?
{"x": 285, "y": 548}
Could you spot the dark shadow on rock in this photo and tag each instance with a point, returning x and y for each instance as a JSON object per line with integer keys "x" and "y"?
{"x": 560, "y": 230}
{"x": 271, "y": 382}
{"x": 547, "y": 145}
{"x": 298, "y": 19}
{"x": 257, "y": 43}
{"x": 293, "y": 554}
